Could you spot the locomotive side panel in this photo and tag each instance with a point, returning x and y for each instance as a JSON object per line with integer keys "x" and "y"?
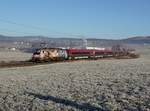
{"x": 63, "y": 54}
{"x": 56, "y": 54}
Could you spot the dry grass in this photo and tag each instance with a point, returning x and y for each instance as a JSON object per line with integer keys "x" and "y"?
{"x": 96, "y": 85}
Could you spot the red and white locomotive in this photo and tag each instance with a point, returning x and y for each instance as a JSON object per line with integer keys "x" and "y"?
{"x": 58, "y": 54}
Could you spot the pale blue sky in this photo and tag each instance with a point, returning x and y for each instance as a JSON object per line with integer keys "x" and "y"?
{"x": 75, "y": 18}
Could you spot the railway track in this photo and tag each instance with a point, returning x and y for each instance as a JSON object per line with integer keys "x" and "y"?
{"x": 16, "y": 64}
{"x": 30, "y": 63}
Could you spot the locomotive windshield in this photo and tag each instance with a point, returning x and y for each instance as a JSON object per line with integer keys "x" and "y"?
{"x": 37, "y": 53}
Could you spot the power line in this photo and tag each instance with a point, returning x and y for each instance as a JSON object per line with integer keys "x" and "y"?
{"x": 20, "y": 24}
{"x": 10, "y": 31}
{"x": 38, "y": 28}
{"x": 14, "y": 31}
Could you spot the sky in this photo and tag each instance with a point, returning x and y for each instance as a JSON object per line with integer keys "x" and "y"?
{"x": 111, "y": 19}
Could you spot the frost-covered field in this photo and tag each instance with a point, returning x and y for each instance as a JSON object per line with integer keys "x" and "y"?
{"x": 14, "y": 56}
{"x": 96, "y": 85}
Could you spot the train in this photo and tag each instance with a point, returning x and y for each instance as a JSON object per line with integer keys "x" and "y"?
{"x": 59, "y": 54}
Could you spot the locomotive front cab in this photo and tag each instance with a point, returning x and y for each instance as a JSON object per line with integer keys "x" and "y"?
{"x": 38, "y": 55}
{"x": 51, "y": 54}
